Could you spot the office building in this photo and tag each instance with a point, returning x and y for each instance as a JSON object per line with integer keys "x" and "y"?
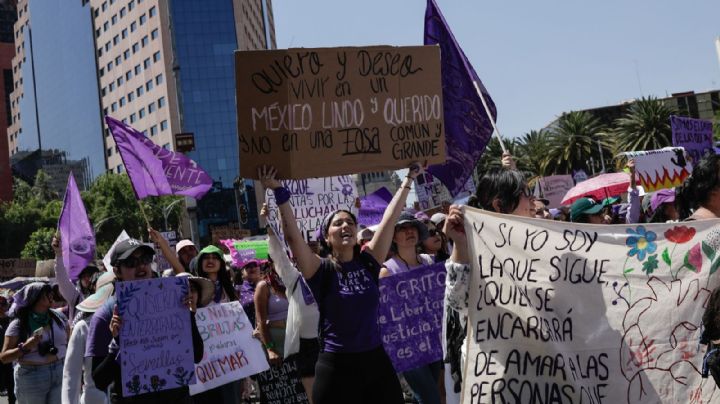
{"x": 167, "y": 67}
{"x": 55, "y": 106}
{"x": 8, "y": 16}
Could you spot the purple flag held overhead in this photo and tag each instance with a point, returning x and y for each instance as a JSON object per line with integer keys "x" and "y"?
{"x": 76, "y": 235}
{"x": 154, "y": 170}
{"x": 373, "y": 206}
{"x": 467, "y": 127}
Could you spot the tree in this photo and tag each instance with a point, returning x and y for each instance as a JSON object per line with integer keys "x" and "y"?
{"x": 573, "y": 141}
{"x": 532, "y": 148}
{"x": 646, "y": 126}
{"x": 112, "y": 208}
{"x": 716, "y": 127}
{"x": 38, "y": 247}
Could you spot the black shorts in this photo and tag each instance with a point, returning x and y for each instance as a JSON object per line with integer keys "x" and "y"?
{"x": 307, "y": 357}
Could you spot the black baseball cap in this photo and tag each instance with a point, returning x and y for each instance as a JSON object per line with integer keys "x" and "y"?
{"x": 126, "y": 248}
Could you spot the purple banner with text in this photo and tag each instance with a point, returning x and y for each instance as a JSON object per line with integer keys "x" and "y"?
{"x": 410, "y": 316}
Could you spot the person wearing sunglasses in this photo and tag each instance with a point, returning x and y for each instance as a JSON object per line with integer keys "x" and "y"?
{"x": 435, "y": 244}
{"x": 131, "y": 261}
{"x": 36, "y": 342}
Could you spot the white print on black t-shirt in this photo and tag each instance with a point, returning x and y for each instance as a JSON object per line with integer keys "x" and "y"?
{"x": 355, "y": 282}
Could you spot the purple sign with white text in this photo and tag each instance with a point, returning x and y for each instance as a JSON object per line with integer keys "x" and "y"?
{"x": 373, "y": 206}
{"x": 410, "y": 316}
{"x": 156, "y": 350}
{"x": 695, "y": 135}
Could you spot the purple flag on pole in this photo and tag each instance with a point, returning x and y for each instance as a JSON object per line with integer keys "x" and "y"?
{"x": 373, "y": 206}
{"x": 467, "y": 127}
{"x": 76, "y": 235}
{"x": 154, "y": 170}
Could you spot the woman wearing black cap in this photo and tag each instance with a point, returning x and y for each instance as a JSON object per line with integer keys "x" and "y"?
{"x": 131, "y": 261}
{"x": 352, "y": 366}
{"x": 36, "y": 340}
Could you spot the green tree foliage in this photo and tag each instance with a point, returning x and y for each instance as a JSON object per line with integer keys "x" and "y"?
{"x": 573, "y": 141}
{"x": 38, "y": 246}
{"x": 29, "y": 221}
{"x": 646, "y": 126}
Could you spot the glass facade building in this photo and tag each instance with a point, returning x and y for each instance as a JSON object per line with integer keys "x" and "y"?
{"x": 67, "y": 108}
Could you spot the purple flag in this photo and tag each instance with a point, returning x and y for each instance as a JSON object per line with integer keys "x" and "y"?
{"x": 467, "y": 127}
{"x": 154, "y": 170}
{"x": 373, "y": 206}
{"x": 76, "y": 235}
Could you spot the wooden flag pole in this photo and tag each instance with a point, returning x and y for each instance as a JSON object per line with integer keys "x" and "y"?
{"x": 489, "y": 115}
{"x": 142, "y": 211}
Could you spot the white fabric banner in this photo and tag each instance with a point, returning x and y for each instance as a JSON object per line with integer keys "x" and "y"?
{"x": 231, "y": 352}
{"x": 571, "y": 313}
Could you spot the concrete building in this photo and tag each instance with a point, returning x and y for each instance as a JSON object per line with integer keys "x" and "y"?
{"x": 55, "y": 106}
{"x": 8, "y": 16}
{"x": 167, "y": 67}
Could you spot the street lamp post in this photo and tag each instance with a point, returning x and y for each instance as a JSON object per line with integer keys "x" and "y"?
{"x": 167, "y": 210}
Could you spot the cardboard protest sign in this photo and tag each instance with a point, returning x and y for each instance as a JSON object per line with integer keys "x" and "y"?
{"x": 156, "y": 347}
{"x": 373, "y": 207}
{"x": 431, "y": 193}
{"x": 411, "y": 316}
{"x": 569, "y": 313}
{"x": 312, "y": 199}
{"x": 13, "y": 267}
{"x": 231, "y": 352}
{"x": 335, "y": 111}
{"x": 554, "y": 188}
{"x": 227, "y": 232}
{"x": 281, "y": 385}
{"x": 694, "y": 135}
{"x": 662, "y": 168}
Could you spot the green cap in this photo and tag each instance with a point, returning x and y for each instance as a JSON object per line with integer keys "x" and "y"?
{"x": 584, "y": 206}
{"x": 610, "y": 201}
{"x": 211, "y": 249}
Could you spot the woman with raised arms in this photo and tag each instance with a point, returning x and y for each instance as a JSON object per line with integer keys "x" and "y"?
{"x": 352, "y": 366}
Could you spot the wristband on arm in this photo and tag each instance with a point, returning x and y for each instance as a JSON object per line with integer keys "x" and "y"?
{"x": 282, "y": 195}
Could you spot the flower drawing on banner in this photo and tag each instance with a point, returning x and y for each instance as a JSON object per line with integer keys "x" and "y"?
{"x": 693, "y": 259}
{"x": 650, "y": 265}
{"x": 668, "y": 352}
{"x": 680, "y": 234}
{"x": 641, "y": 242}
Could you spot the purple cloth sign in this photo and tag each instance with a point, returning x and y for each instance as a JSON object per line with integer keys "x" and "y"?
{"x": 156, "y": 350}
{"x": 695, "y": 135}
{"x": 155, "y": 171}
{"x": 77, "y": 238}
{"x": 410, "y": 316}
{"x": 467, "y": 127}
{"x": 373, "y": 206}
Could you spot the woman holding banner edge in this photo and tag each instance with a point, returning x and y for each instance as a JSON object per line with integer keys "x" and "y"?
{"x": 352, "y": 366}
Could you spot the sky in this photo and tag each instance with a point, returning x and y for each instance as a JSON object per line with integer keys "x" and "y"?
{"x": 537, "y": 59}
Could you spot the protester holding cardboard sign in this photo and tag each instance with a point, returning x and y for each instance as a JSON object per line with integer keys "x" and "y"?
{"x": 353, "y": 366}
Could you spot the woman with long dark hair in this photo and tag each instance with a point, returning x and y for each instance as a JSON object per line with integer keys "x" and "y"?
{"x": 211, "y": 265}
{"x": 699, "y": 196}
{"x": 36, "y": 340}
{"x": 352, "y": 366}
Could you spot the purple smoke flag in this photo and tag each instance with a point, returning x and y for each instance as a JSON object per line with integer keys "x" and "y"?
{"x": 467, "y": 127}
{"x": 155, "y": 171}
{"x": 76, "y": 235}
